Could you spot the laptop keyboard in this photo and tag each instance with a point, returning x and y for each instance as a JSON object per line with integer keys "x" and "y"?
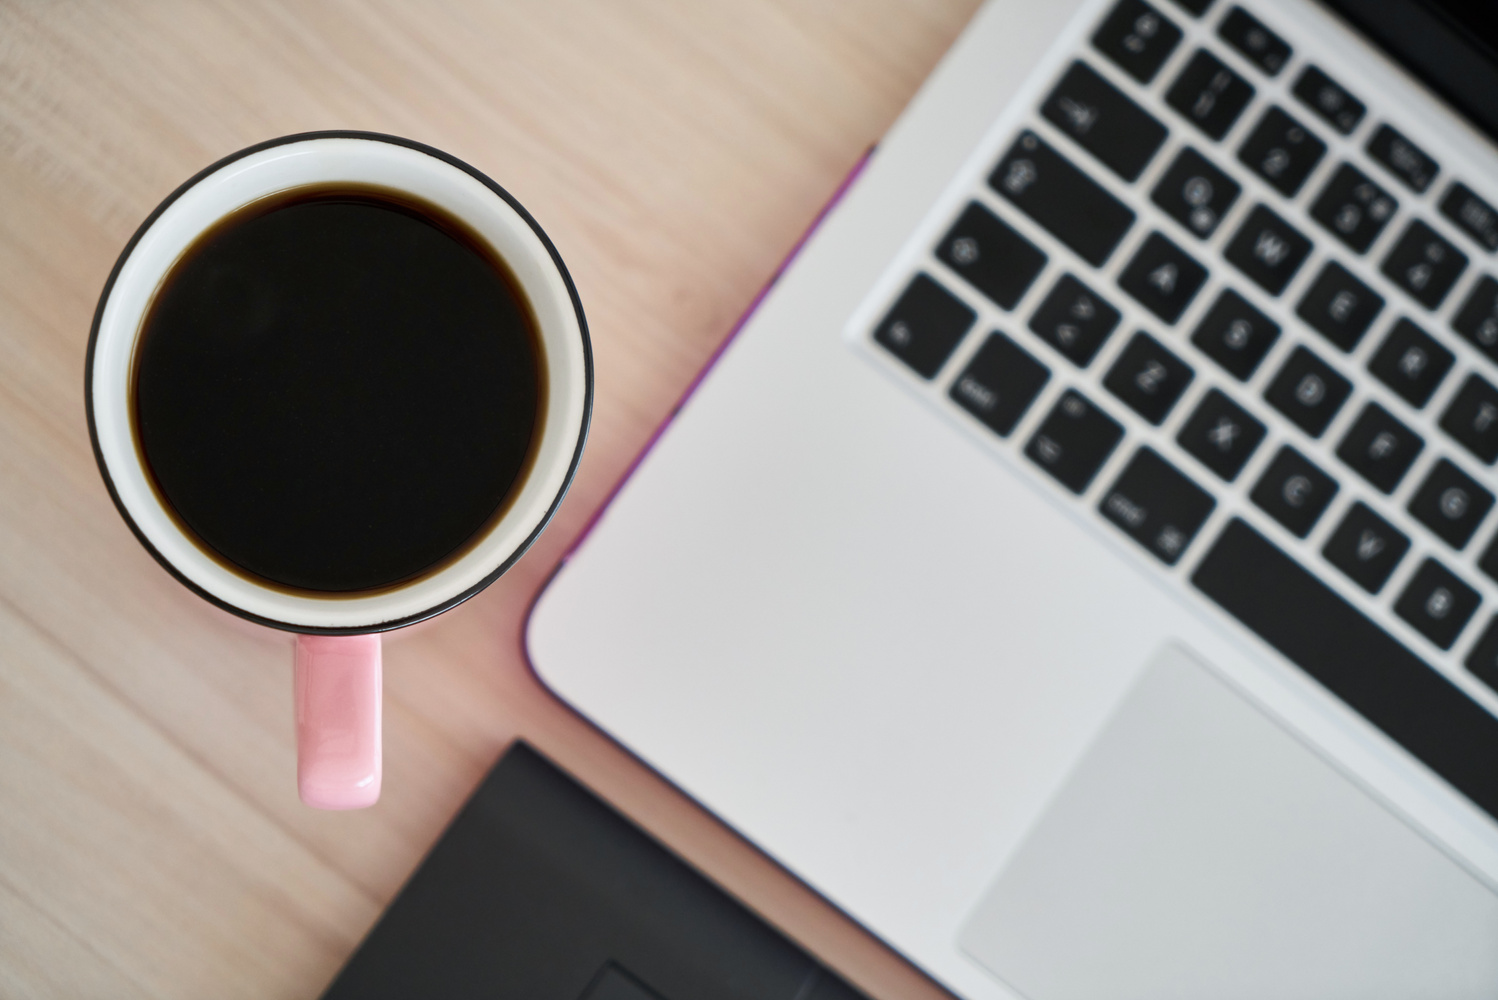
{"x": 1208, "y": 293}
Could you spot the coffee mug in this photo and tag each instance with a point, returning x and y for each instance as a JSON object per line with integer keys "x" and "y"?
{"x": 308, "y": 395}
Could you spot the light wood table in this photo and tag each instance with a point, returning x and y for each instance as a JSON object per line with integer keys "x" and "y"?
{"x": 151, "y": 841}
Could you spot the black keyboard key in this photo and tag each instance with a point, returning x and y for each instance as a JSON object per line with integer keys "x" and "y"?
{"x": 1163, "y": 277}
{"x": 1308, "y": 391}
{"x": 1268, "y": 249}
{"x": 1103, "y": 121}
{"x": 1148, "y": 378}
{"x": 924, "y": 326}
{"x": 1294, "y": 491}
{"x": 1074, "y": 320}
{"x": 1157, "y": 506}
{"x": 1353, "y": 208}
{"x": 1489, "y": 561}
{"x": 1472, "y": 215}
{"x": 1380, "y": 448}
{"x": 999, "y": 383}
{"x": 1221, "y": 435}
{"x": 1209, "y": 95}
{"x": 1341, "y": 648}
{"x": 1196, "y": 8}
{"x": 1437, "y": 603}
{"x": 994, "y": 259}
{"x": 1424, "y": 264}
{"x": 1329, "y": 99}
{"x": 1195, "y": 193}
{"x": 1254, "y": 42}
{"x": 1366, "y": 548}
{"x": 1339, "y": 306}
{"x": 1483, "y": 660}
{"x": 1403, "y": 158}
{"x": 1411, "y": 362}
{"x": 1074, "y": 207}
{"x": 1451, "y": 503}
{"x": 1282, "y": 151}
{"x": 1235, "y": 335}
{"x": 1472, "y": 418}
{"x": 1074, "y": 441}
{"x": 1138, "y": 38}
{"x": 1478, "y": 319}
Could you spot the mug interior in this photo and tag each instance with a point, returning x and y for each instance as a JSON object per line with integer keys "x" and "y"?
{"x": 356, "y": 159}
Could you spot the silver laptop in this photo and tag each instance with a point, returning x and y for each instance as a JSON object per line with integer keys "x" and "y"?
{"x": 1081, "y": 566}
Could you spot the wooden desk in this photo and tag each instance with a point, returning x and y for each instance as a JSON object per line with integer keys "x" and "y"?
{"x": 151, "y": 841}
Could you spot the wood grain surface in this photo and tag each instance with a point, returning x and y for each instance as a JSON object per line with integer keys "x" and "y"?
{"x": 151, "y": 840}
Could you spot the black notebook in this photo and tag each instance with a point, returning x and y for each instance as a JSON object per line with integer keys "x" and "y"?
{"x": 540, "y": 891}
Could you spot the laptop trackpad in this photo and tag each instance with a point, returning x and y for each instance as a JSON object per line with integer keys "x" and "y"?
{"x": 1200, "y": 851}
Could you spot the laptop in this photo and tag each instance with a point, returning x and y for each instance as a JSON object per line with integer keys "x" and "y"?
{"x": 1081, "y": 566}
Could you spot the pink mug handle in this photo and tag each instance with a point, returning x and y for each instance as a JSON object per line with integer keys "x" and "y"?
{"x": 338, "y": 720}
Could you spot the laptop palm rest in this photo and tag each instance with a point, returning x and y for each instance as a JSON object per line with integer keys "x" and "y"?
{"x": 1199, "y": 850}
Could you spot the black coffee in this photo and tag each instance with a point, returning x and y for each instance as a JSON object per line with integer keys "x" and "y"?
{"x": 337, "y": 389}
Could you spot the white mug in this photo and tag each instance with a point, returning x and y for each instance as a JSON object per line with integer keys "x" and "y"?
{"x": 337, "y": 667}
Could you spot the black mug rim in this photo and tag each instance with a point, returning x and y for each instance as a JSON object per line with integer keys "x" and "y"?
{"x": 441, "y": 606}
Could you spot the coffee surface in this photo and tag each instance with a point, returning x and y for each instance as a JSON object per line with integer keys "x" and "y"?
{"x": 337, "y": 390}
